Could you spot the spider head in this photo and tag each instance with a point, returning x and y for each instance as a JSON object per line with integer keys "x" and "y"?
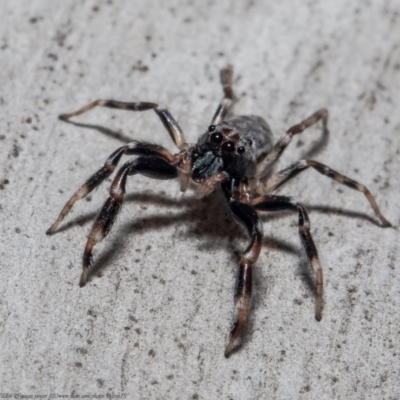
{"x": 224, "y": 148}
{"x": 227, "y": 142}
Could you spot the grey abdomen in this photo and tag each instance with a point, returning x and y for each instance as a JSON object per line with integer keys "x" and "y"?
{"x": 256, "y": 129}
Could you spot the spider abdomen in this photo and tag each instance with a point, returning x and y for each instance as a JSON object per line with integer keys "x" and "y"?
{"x": 256, "y": 129}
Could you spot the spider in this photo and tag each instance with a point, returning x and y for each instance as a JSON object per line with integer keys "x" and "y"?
{"x": 236, "y": 154}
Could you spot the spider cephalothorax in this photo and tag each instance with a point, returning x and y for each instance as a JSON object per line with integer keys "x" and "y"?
{"x": 236, "y": 154}
{"x": 233, "y": 146}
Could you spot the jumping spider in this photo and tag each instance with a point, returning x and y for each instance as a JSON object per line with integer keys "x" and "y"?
{"x": 236, "y": 154}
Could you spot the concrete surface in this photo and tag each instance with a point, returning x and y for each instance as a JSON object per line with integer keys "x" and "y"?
{"x": 153, "y": 321}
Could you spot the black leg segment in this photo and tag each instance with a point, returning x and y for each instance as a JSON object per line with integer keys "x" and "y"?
{"x": 133, "y": 148}
{"x": 281, "y": 203}
{"x": 247, "y": 216}
{"x": 152, "y": 167}
{"x": 173, "y": 128}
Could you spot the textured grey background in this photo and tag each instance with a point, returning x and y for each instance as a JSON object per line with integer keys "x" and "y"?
{"x": 153, "y": 320}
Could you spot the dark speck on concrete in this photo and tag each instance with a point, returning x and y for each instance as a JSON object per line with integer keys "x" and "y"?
{"x": 100, "y": 382}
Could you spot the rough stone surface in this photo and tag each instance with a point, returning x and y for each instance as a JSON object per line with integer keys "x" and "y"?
{"x": 154, "y": 318}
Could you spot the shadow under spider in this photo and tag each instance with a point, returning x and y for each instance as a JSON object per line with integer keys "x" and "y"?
{"x": 207, "y": 222}
{"x": 105, "y": 131}
{"x": 317, "y": 146}
{"x": 345, "y": 213}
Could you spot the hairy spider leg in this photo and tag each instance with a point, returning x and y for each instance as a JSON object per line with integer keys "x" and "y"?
{"x": 166, "y": 118}
{"x": 264, "y": 166}
{"x": 281, "y": 203}
{"x": 120, "y": 105}
{"x": 246, "y": 215}
{"x": 223, "y": 108}
{"x": 281, "y": 177}
{"x": 173, "y": 128}
{"x": 132, "y": 148}
{"x": 152, "y": 167}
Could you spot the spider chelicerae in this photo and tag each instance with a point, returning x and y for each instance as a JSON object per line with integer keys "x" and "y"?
{"x": 236, "y": 154}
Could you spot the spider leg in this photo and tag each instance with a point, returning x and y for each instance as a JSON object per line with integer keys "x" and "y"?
{"x": 133, "y": 148}
{"x": 139, "y": 106}
{"x": 246, "y": 215}
{"x": 223, "y": 108}
{"x": 281, "y": 177}
{"x": 166, "y": 118}
{"x": 271, "y": 157}
{"x": 152, "y": 167}
{"x": 173, "y": 128}
{"x": 280, "y": 203}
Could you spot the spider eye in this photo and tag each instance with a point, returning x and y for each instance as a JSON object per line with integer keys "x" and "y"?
{"x": 250, "y": 142}
{"x": 241, "y": 150}
{"x": 228, "y": 147}
{"x": 211, "y": 128}
{"x": 216, "y": 138}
